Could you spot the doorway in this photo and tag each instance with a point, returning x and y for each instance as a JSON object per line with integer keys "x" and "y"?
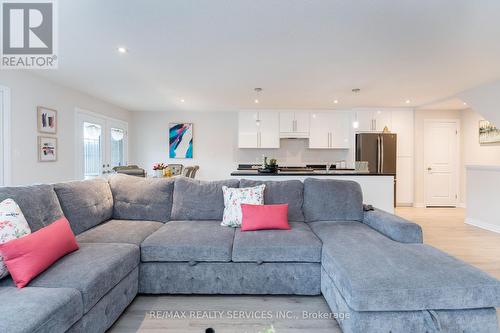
{"x": 4, "y": 136}
{"x": 102, "y": 144}
{"x": 441, "y": 162}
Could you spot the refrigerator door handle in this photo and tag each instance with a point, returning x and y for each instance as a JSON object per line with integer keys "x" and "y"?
{"x": 378, "y": 153}
{"x": 382, "y": 153}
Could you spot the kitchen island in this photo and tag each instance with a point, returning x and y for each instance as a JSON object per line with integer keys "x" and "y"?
{"x": 378, "y": 189}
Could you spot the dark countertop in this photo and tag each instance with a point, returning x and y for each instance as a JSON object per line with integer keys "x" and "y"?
{"x": 308, "y": 173}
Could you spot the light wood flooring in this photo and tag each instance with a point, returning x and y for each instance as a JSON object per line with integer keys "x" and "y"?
{"x": 443, "y": 228}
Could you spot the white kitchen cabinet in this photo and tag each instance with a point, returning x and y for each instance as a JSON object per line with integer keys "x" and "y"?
{"x": 319, "y": 135}
{"x": 294, "y": 124}
{"x": 402, "y": 125}
{"x": 373, "y": 120}
{"x": 404, "y": 180}
{"x": 258, "y": 129}
{"x": 330, "y": 130}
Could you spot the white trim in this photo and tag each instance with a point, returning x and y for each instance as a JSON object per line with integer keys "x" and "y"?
{"x": 456, "y": 121}
{"x": 6, "y": 132}
{"x": 482, "y": 225}
{"x": 483, "y": 167}
{"x": 418, "y": 205}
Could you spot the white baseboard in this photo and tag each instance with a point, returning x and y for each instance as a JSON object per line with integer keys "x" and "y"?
{"x": 483, "y": 225}
{"x": 404, "y": 204}
{"x": 418, "y": 205}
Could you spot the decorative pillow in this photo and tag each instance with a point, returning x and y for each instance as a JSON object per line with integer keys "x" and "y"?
{"x": 264, "y": 217}
{"x": 28, "y": 256}
{"x": 12, "y": 225}
{"x": 234, "y": 197}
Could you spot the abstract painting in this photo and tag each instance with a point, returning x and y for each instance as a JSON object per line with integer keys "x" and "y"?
{"x": 181, "y": 140}
{"x": 47, "y": 149}
{"x": 488, "y": 133}
{"x": 47, "y": 120}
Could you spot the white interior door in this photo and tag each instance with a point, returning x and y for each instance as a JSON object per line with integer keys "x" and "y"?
{"x": 441, "y": 162}
{"x": 102, "y": 143}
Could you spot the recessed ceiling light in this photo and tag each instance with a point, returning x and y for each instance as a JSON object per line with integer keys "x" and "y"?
{"x": 256, "y": 101}
{"x": 408, "y": 101}
{"x": 465, "y": 103}
{"x": 122, "y": 49}
{"x": 182, "y": 100}
{"x": 336, "y": 101}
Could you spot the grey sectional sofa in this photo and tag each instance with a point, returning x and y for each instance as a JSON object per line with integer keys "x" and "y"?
{"x": 157, "y": 236}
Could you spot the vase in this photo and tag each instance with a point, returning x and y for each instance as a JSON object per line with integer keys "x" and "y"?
{"x": 158, "y": 173}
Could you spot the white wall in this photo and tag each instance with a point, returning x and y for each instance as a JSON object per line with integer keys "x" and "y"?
{"x": 215, "y": 144}
{"x": 470, "y": 149}
{"x": 29, "y": 91}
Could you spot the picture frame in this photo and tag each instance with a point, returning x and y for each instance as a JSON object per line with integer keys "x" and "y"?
{"x": 181, "y": 140}
{"x": 46, "y": 120}
{"x": 47, "y": 149}
{"x": 488, "y": 133}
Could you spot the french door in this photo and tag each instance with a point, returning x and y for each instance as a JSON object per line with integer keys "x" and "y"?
{"x": 102, "y": 144}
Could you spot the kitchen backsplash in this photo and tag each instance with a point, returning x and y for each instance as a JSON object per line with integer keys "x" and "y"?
{"x": 296, "y": 152}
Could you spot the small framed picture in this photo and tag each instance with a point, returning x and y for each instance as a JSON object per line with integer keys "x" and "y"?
{"x": 47, "y": 149}
{"x": 47, "y": 120}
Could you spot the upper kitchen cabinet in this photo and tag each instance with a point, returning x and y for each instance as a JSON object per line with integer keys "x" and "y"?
{"x": 258, "y": 129}
{"x": 294, "y": 124}
{"x": 330, "y": 130}
{"x": 373, "y": 120}
{"x": 402, "y": 125}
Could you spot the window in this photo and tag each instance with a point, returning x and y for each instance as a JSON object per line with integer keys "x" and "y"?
{"x": 92, "y": 150}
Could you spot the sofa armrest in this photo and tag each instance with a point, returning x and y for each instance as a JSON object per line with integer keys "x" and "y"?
{"x": 394, "y": 227}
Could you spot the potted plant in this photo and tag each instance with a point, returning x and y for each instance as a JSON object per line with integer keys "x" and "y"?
{"x": 158, "y": 169}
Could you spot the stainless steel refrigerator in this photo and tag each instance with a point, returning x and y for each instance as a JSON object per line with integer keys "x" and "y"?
{"x": 379, "y": 150}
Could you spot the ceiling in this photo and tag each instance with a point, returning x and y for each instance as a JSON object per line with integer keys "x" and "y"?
{"x": 304, "y": 54}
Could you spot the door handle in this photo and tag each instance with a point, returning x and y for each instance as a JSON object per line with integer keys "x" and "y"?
{"x": 429, "y": 169}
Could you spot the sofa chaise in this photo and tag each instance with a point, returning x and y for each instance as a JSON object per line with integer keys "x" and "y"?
{"x": 160, "y": 236}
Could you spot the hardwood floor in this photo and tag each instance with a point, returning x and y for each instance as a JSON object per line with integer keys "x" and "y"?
{"x": 443, "y": 228}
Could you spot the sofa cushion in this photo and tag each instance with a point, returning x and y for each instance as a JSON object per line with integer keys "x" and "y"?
{"x": 375, "y": 273}
{"x": 138, "y": 198}
{"x": 13, "y": 225}
{"x": 38, "y": 203}
{"x": 39, "y": 309}
{"x": 189, "y": 241}
{"x": 120, "y": 231}
{"x": 299, "y": 244}
{"x": 332, "y": 200}
{"x": 93, "y": 270}
{"x": 289, "y": 192}
{"x": 28, "y": 256}
{"x": 199, "y": 200}
{"x": 234, "y": 198}
{"x": 85, "y": 203}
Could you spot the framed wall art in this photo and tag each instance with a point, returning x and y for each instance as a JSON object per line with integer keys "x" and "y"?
{"x": 46, "y": 120}
{"x": 47, "y": 149}
{"x": 181, "y": 140}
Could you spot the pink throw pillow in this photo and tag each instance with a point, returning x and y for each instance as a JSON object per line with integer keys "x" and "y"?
{"x": 264, "y": 217}
{"x": 28, "y": 256}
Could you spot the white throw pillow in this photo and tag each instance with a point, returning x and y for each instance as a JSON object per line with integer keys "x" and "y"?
{"x": 12, "y": 225}
{"x": 234, "y": 197}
